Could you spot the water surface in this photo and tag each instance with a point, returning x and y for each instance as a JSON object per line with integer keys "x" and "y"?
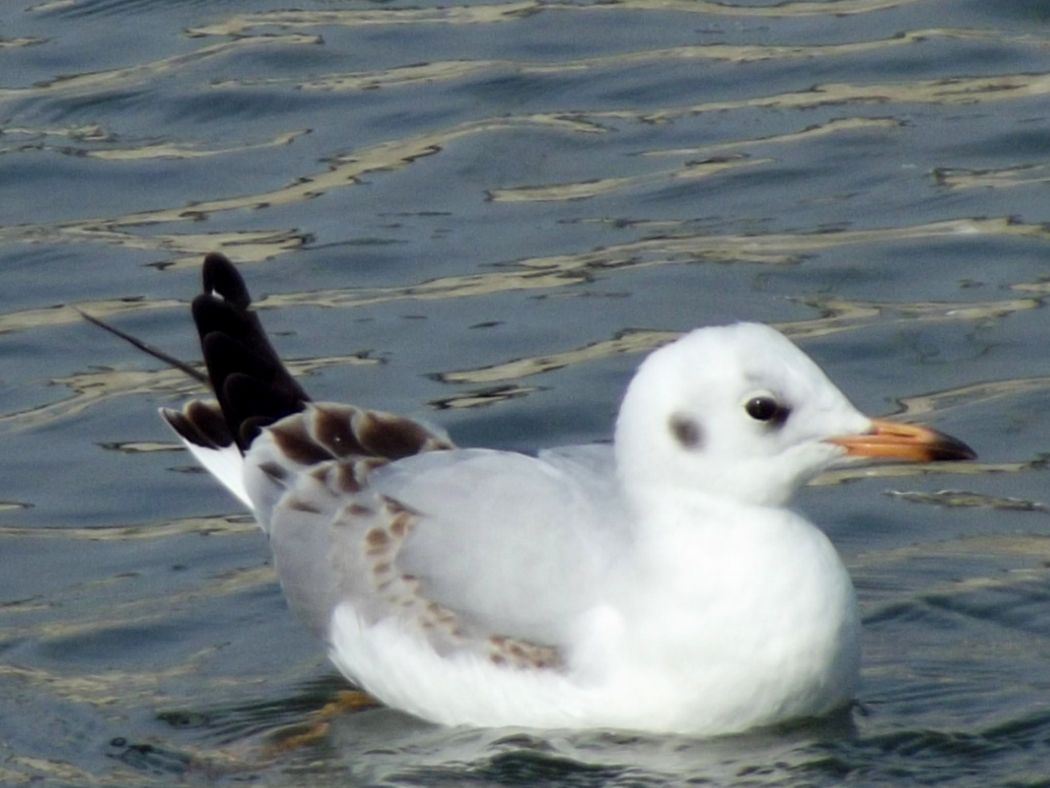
{"x": 483, "y": 214}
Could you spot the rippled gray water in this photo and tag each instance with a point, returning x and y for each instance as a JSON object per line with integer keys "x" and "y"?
{"x": 483, "y": 214}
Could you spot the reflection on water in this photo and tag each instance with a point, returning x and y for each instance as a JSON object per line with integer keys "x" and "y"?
{"x": 485, "y": 214}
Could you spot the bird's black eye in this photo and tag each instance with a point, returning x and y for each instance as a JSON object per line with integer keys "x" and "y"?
{"x": 766, "y": 408}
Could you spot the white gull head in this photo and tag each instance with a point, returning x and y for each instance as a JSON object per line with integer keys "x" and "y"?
{"x": 736, "y": 412}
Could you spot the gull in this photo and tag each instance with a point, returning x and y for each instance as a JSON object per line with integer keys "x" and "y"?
{"x": 658, "y": 583}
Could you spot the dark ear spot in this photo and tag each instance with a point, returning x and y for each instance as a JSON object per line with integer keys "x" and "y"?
{"x": 686, "y": 431}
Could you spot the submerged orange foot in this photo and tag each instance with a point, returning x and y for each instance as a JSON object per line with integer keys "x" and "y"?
{"x": 308, "y": 733}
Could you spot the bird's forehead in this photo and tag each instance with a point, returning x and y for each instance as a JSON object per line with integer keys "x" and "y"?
{"x": 746, "y": 348}
{"x": 713, "y": 365}
{"x": 786, "y": 375}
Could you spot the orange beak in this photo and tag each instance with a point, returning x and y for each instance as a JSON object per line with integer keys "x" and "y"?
{"x": 895, "y": 441}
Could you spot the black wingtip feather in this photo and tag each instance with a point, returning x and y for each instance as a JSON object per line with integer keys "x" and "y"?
{"x": 219, "y": 275}
{"x": 252, "y": 385}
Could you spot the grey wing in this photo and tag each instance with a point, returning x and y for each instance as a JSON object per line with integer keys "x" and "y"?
{"x": 448, "y": 542}
{"x": 513, "y": 543}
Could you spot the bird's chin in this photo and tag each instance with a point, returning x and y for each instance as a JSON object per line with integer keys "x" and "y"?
{"x": 812, "y": 459}
{"x": 778, "y": 489}
{"x": 839, "y": 458}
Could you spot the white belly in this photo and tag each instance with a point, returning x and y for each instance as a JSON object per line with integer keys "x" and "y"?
{"x": 685, "y": 645}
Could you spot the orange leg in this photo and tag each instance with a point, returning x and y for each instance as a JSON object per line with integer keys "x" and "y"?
{"x": 309, "y": 733}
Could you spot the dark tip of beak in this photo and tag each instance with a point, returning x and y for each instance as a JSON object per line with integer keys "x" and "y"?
{"x": 948, "y": 448}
